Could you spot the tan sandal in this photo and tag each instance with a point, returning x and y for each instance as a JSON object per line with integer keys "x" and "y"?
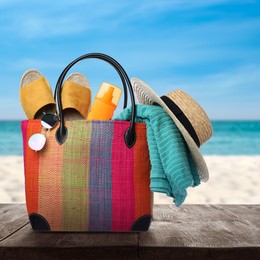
{"x": 37, "y": 98}
{"x": 76, "y": 97}
{"x": 36, "y": 95}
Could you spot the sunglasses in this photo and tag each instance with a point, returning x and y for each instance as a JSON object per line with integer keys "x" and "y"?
{"x": 37, "y": 141}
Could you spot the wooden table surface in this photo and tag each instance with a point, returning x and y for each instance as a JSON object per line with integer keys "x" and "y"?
{"x": 189, "y": 232}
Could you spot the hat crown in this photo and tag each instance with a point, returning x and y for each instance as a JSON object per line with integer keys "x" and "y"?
{"x": 194, "y": 113}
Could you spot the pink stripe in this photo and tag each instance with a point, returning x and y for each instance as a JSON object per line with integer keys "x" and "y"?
{"x": 123, "y": 202}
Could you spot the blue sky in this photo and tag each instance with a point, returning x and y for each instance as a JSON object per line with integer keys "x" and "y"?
{"x": 210, "y": 49}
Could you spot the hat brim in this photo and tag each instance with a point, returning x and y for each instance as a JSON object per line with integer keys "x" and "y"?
{"x": 146, "y": 95}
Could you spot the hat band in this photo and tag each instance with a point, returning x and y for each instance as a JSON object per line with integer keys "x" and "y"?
{"x": 182, "y": 118}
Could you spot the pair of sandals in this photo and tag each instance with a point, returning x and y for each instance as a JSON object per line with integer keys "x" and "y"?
{"x": 37, "y": 98}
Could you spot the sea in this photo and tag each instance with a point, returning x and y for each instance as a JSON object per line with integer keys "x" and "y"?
{"x": 229, "y": 138}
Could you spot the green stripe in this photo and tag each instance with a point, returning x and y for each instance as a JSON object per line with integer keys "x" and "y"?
{"x": 75, "y": 175}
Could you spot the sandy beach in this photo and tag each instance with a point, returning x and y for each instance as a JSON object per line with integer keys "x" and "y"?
{"x": 233, "y": 180}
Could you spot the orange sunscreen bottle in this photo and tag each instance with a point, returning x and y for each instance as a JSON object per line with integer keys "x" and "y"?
{"x": 105, "y": 102}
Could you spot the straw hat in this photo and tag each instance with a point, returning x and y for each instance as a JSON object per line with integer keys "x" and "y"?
{"x": 188, "y": 116}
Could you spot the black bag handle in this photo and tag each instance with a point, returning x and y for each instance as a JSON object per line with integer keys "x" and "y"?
{"x": 62, "y": 131}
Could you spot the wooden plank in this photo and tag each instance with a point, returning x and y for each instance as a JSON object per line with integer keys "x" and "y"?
{"x": 27, "y": 244}
{"x": 89, "y": 253}
{"x": 191, "y": 231}
{"x": 200, "y": 231}
{"x": 155, "y": 253}
{"x": 12, "y": 218}
{"x": 250, "y": 213}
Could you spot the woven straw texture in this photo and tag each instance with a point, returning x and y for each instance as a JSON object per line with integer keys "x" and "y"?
{"x": 92, "y": 182}
{"x": 194, "y": 112}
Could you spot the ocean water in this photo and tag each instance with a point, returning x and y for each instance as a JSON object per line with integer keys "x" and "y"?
{"x": 10, "y": 138}
{"x": 229, "y": 138}
{"x": 234, "y": 138}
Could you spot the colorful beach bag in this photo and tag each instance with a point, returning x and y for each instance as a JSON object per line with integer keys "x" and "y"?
{"x": 90, "y": 175}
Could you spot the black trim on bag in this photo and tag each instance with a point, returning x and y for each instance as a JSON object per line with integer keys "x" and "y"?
{"x": 39, "y": 223}
{"x": 142, "y": 223}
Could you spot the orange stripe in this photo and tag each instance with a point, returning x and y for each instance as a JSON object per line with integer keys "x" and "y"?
{"x": 31, "y": 160}
{"x": 50, "y": 181}
{"x": 142, "y": 173}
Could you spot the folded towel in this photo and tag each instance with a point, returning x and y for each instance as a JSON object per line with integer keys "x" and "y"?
{"x": 172, "y": 167}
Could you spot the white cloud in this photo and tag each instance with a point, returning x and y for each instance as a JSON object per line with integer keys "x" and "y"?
{"x": 42, "y": 27}
{"x": 47, "y": 20}
{"x": 231, "y": 94}
{"x": 240, "y": 83}
{"x": 53, "y": 18}
{"x": 242, "y": 80}
{"x": 7, "y": 2}
{"x": 35, "y": 63}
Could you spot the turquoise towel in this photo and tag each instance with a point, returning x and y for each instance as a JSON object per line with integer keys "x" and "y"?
{"x": 172, "y": 167}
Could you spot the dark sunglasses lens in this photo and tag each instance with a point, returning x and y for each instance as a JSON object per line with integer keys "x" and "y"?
{"x": 49, "y": 120}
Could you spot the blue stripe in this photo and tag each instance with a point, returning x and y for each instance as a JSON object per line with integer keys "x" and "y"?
{"x": 100, "y": 180}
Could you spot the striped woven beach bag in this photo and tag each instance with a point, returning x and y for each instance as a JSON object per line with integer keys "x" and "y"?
{"x": 90, "y": 175}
